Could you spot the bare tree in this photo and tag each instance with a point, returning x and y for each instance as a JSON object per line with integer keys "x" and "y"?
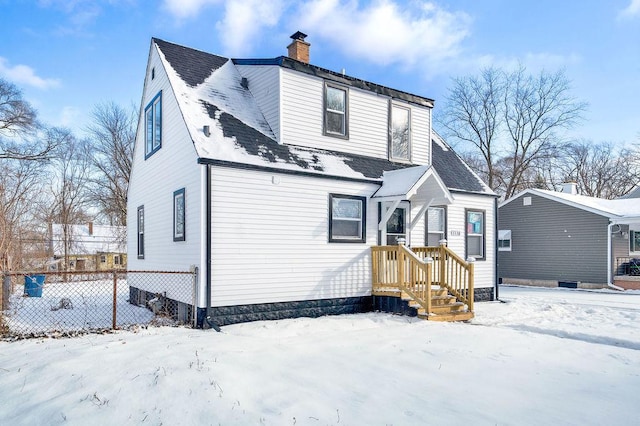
{"x": 514, "y": 121}
{"x": 600, "y": 170}
{"x": 112, "y": 136}
{"x": 473, "y": 115}
{"x": 70, "y": 174}
{"x": 20, "y": 186}
{"x": 20, "y": 132}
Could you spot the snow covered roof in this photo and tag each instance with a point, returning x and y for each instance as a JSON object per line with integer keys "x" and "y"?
{"x": 405, "y": 183}
{"x": 89, "y": 239}
{"x": 455, "y": 173}
{"x": 210, "y": 92}
{"x": 620, "y": 209}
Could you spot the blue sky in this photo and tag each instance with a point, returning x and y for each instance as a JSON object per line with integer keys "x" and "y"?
{"x": 69, "y": 55}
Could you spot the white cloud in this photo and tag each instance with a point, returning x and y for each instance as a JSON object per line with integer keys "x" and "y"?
{"x": 243, "y": 21}
{"x": 385, "y": 32}
{"x": 25, "y": 75}
{"x": 631, "y": 11}
{"x": 69, "y": 116}
{"x": 532, "y": 61}
{"x": 183, "y": 9}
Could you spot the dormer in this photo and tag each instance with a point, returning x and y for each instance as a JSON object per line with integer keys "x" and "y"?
{"x": 306, "y": 105}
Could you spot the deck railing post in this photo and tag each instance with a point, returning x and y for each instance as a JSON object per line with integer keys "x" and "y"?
{"x": 442, "y": 258}
{"x": 429, "y": 262}
{"x": 400, "y": 257}
{"x": 470, "y": 295}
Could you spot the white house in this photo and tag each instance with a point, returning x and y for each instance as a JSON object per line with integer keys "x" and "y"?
{"x": 275, "y": 178}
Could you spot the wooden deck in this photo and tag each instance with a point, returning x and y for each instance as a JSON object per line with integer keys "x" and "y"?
{"x": 433, "y": 280}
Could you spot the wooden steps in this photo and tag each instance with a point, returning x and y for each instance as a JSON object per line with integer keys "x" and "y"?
{"x": 444, "y": 306}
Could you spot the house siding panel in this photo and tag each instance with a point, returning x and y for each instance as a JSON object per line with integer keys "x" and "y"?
{"x": 302, "y": 120}
{"x": 264, "y": 85}
{"x": 154, "y": 180}
{"x": 553, "y": 241}
{"x": 270, "y": 242}
{"x": 456, "y": 238}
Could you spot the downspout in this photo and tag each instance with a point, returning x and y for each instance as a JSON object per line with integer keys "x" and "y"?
{"x": 609, "y": 258}
{"x": 210, "y": 322}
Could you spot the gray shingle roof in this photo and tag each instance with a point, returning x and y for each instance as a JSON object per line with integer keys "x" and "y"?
{"x": 194, "y": 67}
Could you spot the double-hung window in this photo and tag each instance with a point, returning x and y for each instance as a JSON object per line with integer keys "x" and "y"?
{"x": 141, "y": 232}
{"x": 475, "y": 231}
{"x": 347, "y": 218}
{"x": 400, "y": 133}
{"x": 153, "y": 125}
{"x": 336, "y": 119}
{"x": 178, "y": 215}
{"x": 436, "y": 225}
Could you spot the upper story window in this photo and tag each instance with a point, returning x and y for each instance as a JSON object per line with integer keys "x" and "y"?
{"x": 475, "y": 234}
{"x": 400, "y": 133}
{"x": 347, "y": 218}
{"x": 336, "y": 115}
{"x": 153, "y": 126}
{"x": 436, "y": 225}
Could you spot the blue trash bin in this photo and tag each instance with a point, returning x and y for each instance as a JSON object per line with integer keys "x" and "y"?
{"x": 33, "y": 285}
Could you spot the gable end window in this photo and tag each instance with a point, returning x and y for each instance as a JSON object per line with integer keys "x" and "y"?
{"x": 179, "y": 215}
{"x": 141, "y": 232}
{"x": 153, "y": 126}
{"x": 399, "y": 133}
{"x": 475, "y": 234}
{"x": 336, "y": 111}
{"x": 347, "y": 218}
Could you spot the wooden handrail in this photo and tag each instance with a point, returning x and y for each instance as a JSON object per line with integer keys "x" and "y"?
{"x": 404, "y": 269}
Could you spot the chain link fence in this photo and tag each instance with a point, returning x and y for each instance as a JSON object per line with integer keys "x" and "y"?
{"x": 67, "y": 303}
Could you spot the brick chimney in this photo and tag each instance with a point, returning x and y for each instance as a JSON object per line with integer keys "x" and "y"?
{"x": 90, "y": 228}
{"x": 299, "y": 49}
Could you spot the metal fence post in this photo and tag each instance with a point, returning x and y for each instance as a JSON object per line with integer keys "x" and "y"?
{"x": 6, "y": 291}
{"x": 115, "y": 298}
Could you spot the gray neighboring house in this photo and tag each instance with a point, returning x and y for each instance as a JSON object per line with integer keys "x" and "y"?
{"x": 565, "y": 239}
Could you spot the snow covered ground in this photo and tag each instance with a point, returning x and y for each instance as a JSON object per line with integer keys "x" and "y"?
{"x": 547, "y": 356}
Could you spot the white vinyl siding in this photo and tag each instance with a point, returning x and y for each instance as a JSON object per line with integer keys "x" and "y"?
{"x": 456, "y": 223}
{"x": 154, "y": 181}
{"x": 303, "y": 117}
{"x": 271, "y": 243}
{"x": 264, "y": 85}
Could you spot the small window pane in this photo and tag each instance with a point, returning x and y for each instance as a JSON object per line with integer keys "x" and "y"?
{"x": 634, "y": 241}
{"x": 344, "y": 228}
{"x": 435, "y": 220}
{"x": 158, "y": 124}
{"x": 400, "y": 133}
{"x": 474, "y": 246}
{"x": 335, "y": 123}
{"x": 179, "y": 215}
{"x": 347, "y": 208}
{"x": 336, "y": 99}
{"x": 149, "y": 138}
{"x": 396, "y": 223}
{"x": 474, "y": 223}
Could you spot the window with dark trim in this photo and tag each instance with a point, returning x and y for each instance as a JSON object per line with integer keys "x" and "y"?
{"x": 399, "y": 132}
{"x": 179, "y": 215}
{"x": 347, "y": 218}
{"x": 141, "y": 232}
{"x": 436, "y": 226}
{"x": 504, "y": 240}
{"x": 153, "y": 125}
{"x": 336, "y": 111}
{"x": 475, "y": 233}
{"x": 634, "y": 241}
